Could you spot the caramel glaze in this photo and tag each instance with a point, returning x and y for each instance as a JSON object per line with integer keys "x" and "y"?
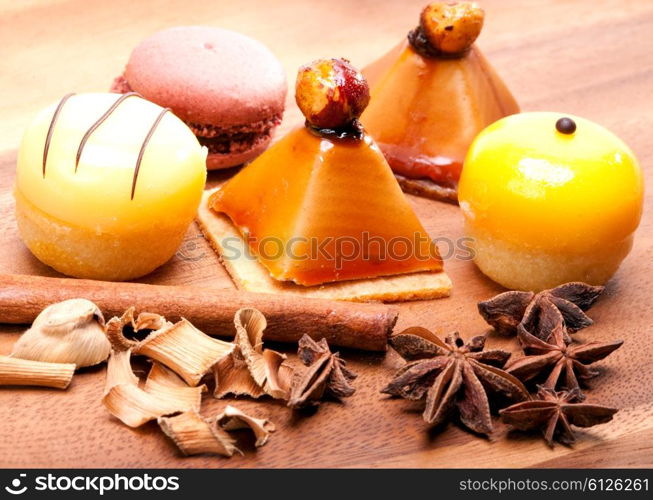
{"x": 93, "y": 127}
{"x": 352, "y": 132}
{"x": 48, "y": 138}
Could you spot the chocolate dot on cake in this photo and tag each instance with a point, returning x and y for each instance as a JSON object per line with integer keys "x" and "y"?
{"x": 566, "y": 126}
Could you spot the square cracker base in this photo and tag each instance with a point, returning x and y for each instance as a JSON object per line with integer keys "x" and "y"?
{"x": 248, "y": 274}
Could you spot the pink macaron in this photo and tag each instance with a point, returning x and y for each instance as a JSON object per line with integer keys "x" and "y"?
{"x": 228, "y": 88}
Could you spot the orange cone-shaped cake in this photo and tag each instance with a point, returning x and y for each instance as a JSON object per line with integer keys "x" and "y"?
{"x": 322, "y": 205}
{"x": 431, "y": 95}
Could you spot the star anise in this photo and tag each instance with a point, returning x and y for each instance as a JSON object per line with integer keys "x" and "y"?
{"x": 564, "y": 363}
{"x": 326, "y": 375}
{"x": 555, "y": 413}
{"x": 539, "y": 312}
{"x": 452, "y": 375}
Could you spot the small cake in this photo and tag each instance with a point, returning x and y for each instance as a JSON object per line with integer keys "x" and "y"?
{"x": 548, "y": 199}
{"x": 320, "y": 211}
{"x": 431, "y": 95}
{"x": 315, "y": 197}
{"x": 227, "y": 87}
{"x": 107, "y": 185}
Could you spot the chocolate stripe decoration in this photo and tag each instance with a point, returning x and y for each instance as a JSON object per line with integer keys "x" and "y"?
{"x": 143, "y": 146}
{"x": 99, "y": 122}
{"x": 48, "y": 138}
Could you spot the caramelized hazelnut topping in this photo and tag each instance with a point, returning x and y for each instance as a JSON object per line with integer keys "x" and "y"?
{"x": 447, "y": 30}
{"x": 332, "y": 94}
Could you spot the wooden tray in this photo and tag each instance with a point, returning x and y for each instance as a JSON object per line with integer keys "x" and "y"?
{"x": 599, "y": 74}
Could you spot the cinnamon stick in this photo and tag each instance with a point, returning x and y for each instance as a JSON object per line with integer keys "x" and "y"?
{"x": 345, "y": 324}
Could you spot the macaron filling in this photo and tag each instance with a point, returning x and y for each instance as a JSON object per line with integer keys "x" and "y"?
{"x": 234, "y": 139}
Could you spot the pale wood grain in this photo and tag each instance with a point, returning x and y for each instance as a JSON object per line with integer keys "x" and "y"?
{"x": 580, "y": 56}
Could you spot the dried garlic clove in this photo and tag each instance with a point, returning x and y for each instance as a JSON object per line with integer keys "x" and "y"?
{"x": 71, "y": 331}
{"x": 134, "y": 406}
{"x": 14, "y": 371}
{"x": 160, "y": 382}
{"x": 194, "y": 435}
{"x": 185, "y": 349}
{"x": 232, "y": 419}
{"x": 119, "y": 370}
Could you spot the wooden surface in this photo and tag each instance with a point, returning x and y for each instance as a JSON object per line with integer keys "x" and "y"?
{"x": 588, "y": 57}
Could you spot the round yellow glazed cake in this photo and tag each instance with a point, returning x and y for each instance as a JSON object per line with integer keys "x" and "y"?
{"x": 107, "y": 185}
{"x": 549, "y": 199}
